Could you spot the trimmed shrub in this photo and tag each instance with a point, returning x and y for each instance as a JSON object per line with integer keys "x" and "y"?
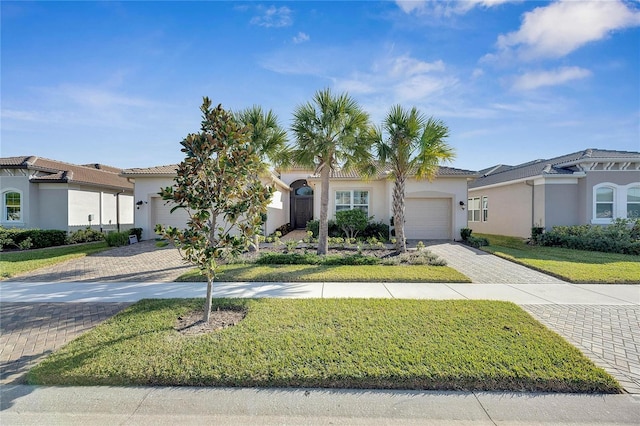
{"x": 314, "y": 226}
{"x": 621, "y": 236}
{"x": 85, "y": 236}
{"x": 465, "y": 233}
{"x": 378, "y": 230}
{"x": 31, "y": 238}
{"x": 352, "y": 222}
{"x": 117, "y": 239}
{"x": 137, "y": 232}
{"x": 477, "y": 242}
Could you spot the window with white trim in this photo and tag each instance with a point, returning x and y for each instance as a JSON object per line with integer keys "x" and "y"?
{"x": 485, "y": 208}
{"x": 633, "y": 202}
{"x": 352, "y": 199}
{"x": 473, "y": 209}
{"x": 12, "y": 203}
{"x": 604, "y": 203}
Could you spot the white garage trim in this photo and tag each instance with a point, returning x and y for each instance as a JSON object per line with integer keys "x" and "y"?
{"x": 428, "y": 219}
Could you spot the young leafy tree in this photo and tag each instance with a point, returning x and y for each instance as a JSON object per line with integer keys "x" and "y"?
{"x": 217, "y": 185}
{"x": 414, "y": 145}
{"x": 331, "y": 131}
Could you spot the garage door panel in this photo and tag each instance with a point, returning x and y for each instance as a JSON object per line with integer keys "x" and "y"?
{"x": 162, "y": 214}
{"x": 428, "y": 218}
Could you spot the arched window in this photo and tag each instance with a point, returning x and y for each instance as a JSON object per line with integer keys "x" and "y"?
{"x": 633, "y": 202}
{"x": 304, "y": 191}
{"x": 604, "y": 203}
{"x": 12, "y": 203}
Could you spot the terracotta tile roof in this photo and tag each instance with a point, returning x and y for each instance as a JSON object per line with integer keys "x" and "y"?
{"x": 167, "y": 170}
{"x": 59, "y": 172}
{"x": 563, "y": 165}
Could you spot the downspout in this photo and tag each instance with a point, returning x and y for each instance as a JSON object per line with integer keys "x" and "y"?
{"x": 533, "y": 199}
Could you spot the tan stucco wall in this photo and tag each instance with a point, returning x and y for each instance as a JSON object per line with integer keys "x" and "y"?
{"x": 561, "y": 205}
{"x": 509, "y": 210}
{"x": 147, "y": 188}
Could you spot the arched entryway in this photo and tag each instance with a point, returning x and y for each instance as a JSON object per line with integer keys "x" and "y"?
{"x": 301, "y": 204}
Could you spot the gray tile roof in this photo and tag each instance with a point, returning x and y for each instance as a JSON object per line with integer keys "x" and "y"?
{"x": 563, "y": 165}
{"x": 53, "y": 171}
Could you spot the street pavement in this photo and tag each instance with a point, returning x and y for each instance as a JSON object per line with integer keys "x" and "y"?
{"x": 41, "y": 311}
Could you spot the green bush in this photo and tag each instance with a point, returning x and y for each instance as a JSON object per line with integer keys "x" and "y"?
{"x": 465, "y": 233}
{"x": 378, "y": 230}
{"x": 621, "y": 236}
{"x": 117, "y": 239}
{"x": 314, "y": 259}
{"x": 137, "y": 232}
{"x": 314, "y": 226}
{"x": 352, "y": 222}
{"x": 87, "y": 235}
{"x": 31, "y": 238}
{"x": 477, "y": 242}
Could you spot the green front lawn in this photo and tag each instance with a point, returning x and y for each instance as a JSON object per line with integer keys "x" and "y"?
{"x": 331, "y": 273}
{"x": 577, "y": 266}
{"x": 330, "y": 343}
{"x": 21, "y": 262}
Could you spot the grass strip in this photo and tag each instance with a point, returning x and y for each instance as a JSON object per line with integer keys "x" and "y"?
{"x": 21, "y": 262}
{"x": 576, "y": 266}
{"x": 330, "y": 273}
{"x": 329, "y": 343}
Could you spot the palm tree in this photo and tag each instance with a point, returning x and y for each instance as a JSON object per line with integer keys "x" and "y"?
{"x": 267, "y": 137}
{"x": 331, "y": 131}
{"x": 414, "y": 145}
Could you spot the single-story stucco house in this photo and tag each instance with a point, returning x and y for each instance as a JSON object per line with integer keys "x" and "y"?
{"x": 434, "y": 210}
{"x": 593, "y": 186}
{"x": 49, "y": 194}
{"x": 151, "y": 209}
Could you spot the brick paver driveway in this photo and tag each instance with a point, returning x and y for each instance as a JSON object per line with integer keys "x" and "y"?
{"x": 142, "y": 262}
{"x": 29, "y": 331}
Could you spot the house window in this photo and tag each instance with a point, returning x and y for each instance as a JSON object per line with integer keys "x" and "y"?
{"x": 633, "y": 202}
{"x": 604, "y": 203}
{"x": 12, "y": 206}
{"x": 485, "y": 208}
{"x": 348, "y": 200}
{"x": 473, "y": 206}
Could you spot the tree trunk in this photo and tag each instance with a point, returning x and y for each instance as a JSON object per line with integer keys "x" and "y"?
{"x": 398, "y": 213}
{"x": 323, "y": 232}
{"x": 207, "y": 302}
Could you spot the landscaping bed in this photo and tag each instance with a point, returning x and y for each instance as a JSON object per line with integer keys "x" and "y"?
{"x": 328, "y": 343}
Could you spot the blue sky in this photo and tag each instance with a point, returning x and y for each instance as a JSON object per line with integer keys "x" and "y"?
{"x": 121, "y": 83}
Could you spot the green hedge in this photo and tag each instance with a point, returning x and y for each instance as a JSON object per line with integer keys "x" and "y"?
{"x": 117, "y": 239}
{"x": 31, "y": 238}
{"x": 622, "y": 236}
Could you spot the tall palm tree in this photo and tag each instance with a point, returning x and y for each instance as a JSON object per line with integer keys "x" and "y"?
{"x": 268, "y": 138}
{"x": 331, "y": 131}
{"x": 414, "y": 145}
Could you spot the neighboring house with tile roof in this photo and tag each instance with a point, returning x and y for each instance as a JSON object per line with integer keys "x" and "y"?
{"x": 433, "y": 209}
{"x": 48, "y": 194}
{"x": 593, "y": 186}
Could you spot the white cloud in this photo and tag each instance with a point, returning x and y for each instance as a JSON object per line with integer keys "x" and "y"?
{"x": 273, "y": 17}
{"x": 534, "y": 80}
{"x": 300, "y": 38}
{"x": 446, "y": 8}
{"x": 560, "y": 28}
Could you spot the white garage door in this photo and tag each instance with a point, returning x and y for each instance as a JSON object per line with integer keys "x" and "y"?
{"x": 161, "y": 214}
{"x": 428, "y": 218}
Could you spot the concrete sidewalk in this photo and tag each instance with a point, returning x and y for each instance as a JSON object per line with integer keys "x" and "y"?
{"x": 528, "y": 294}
